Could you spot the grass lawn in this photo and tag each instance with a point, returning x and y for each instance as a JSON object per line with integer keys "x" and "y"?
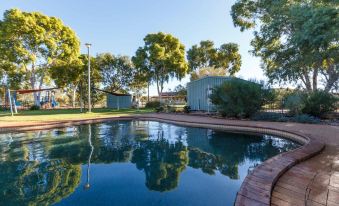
{"x": 64, "y": 114}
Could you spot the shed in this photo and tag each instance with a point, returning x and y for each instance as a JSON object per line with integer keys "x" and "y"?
{"x": 119, "y": 101}
{"x": 198, "y": 92}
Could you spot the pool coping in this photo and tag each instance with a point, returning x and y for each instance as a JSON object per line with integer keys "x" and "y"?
{"x": 257, "y": 187}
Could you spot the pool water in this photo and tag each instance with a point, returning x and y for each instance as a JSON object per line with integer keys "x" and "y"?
{"x": 129, "y": 163}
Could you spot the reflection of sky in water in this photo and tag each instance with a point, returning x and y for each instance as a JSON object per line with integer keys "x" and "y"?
{"x": 156, "y": 163}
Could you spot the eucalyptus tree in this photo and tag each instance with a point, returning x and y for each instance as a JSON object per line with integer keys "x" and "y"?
{"x": 34, "y": 42}
{"x": 207, "y": 71}
{"x": 117, "y": 72}
{"x": 74, "y": 76}
{"x": 296, "y": 39}
{"x": 205, "y": 55}
{"x": 162, "y": 57}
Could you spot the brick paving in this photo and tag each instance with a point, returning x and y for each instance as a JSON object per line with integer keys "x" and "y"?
{"x": 291, "y": 178}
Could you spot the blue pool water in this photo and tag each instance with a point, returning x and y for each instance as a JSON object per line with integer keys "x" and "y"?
{"x": 129, "y": 163}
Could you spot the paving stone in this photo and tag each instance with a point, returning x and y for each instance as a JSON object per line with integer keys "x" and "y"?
{"x": 278, "y": 202}
{"x": 295, "y": 188}
{"x": 319, "y": 196}
{"x": 245, "y": 201}
{"x": 287, "y": 198}
{"x": 312, "y": 203}
{"x": 333, "y": 197}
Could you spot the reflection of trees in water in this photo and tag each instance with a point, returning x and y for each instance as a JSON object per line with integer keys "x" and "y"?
{"x": 43, "y": 168}
{"x": 34, "y": 183}
{"x": 162, "y": 163}
{"x": 224, "y": 152}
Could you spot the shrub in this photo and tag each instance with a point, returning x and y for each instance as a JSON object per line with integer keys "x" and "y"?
{"x": 152, "y": 105}
{"x": 304, "y": 118}
{"x": 34, "y": 107}
{"x": 268, "y": 116}
{"x": 187, "y": 109}
{"x": 160, "y": 109}
{"x": 172, "y": 109}
{"x": 319, "y": 103}
{"x": 239, "y": 98}
{"x": 276, "y": 117}
{"x": 295, "y": 102}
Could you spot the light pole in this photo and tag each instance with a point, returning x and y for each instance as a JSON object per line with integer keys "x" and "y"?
{"x": 88, "y": 45}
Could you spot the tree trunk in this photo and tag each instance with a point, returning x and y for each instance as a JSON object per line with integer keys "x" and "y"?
{"x": 74, "y": 95}
{"x": 332, "y": 78}
{"x": 315, "y": 79}
{"x": 148, "y": 91}
{"x": 35, "y": 94}
{"x": 81, "y": 97}
{"x": 158, "y": 89}
{"x": 307, "y": 81}
{"x": 40, "y": 85}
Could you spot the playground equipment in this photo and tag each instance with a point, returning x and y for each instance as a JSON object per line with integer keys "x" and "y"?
{"x": 47, "y": 99}
{"x": 11, "y": 101}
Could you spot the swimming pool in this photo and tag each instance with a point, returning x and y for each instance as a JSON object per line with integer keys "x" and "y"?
{"x": 130, "y": 163}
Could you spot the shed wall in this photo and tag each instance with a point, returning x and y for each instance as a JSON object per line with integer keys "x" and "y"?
{"x": 119, "y": 102}
{"x": 197, "y": 92}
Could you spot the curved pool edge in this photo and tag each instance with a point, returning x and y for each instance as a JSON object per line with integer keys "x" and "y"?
{"x": 258, "y": 185}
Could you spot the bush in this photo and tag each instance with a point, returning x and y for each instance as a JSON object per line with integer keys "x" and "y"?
{"x": 304, "y": 118}
{"x": 187, "y": 109}
{"x": 268, "y": 116}
{"x": 294, "y": 102}
{"x": 239, "y": 98}
{"x": 172, "y": 110}
{"x": 160, "y": 109}
{"x": 276, "y": 117}
{"x": 34, "y": 107}
{"x": 319, "y": 103}
{"x": 153, "y": 104}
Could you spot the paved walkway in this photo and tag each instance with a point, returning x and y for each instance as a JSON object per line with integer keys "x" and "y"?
{"x": 312, "y": 182}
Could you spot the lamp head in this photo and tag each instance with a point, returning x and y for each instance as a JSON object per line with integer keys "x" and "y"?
{"x": 88, "y": 45}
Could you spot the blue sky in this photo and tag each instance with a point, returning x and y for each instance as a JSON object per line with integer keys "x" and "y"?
{"x": 119, "y": 26}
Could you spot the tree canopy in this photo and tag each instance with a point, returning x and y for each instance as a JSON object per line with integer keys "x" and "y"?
{"x": 162, "y": 57}
{"x": 117, "y": 72}
{"x": 297, "y": 40}
{"x": 205, "y": 55}
{"x": 33, "y": 42}
{"x": 208, "y": 71}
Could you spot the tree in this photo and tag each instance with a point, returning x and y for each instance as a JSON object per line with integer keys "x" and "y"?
{"x": 161, "y": 58}
{"x": 35, "y": 42}
{"x": 206, "y": 55}
{"x": 208, "y": 71}
{"x": 10, "y": 74}
{"x": 240, "y": 98}
{"x": 77, "y": 78}
{"x": 75, "y": 74}
{"x": 297, "y": 40}
{"x": 180, "y": 90}
{"x": 116, "y": 71}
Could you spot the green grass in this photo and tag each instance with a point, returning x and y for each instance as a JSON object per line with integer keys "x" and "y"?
{"x": 64, "y": 114}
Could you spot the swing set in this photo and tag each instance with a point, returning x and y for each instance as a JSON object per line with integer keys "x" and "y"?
{"x": 47, "y": 101}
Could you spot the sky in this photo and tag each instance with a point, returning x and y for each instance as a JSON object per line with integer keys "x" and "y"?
{"x": 119, "y": 26}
